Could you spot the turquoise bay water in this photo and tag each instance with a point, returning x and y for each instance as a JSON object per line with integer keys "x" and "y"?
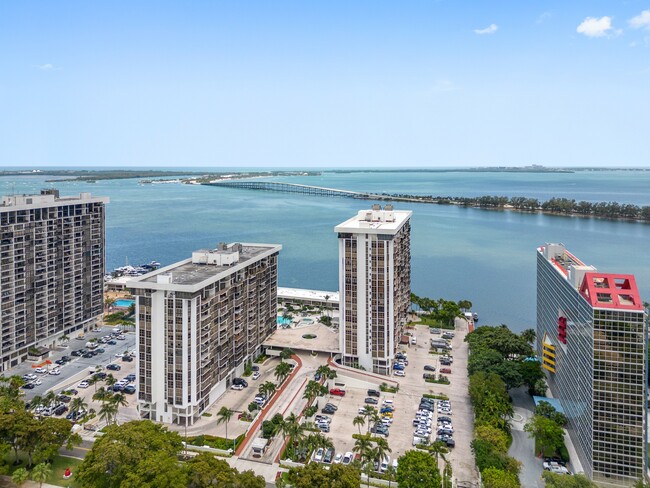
{"x": 487, "y": 257}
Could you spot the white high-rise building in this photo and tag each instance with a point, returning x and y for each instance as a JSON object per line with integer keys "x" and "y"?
{"x": 52, "y": 264}
{"x": 374, "y": 286}
{"x": 198, "y": 322}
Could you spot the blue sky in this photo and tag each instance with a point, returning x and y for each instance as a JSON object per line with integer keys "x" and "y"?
{"x": 366, "y": 83}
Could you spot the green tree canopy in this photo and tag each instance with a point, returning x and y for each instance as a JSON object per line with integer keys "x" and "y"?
{"x": 549, "y": 435}
{"x": 415, "y": 470}
{"x": 496, "y": 478}
{"x": 121, "y": 450}
{"x": 314, "y": 475}
{"x": 554, "y": 480}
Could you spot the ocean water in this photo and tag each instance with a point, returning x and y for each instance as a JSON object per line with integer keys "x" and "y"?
{"x": 487, "y": 257}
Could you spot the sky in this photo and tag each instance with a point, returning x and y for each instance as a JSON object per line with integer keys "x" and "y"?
{"x": 325, "y": 83}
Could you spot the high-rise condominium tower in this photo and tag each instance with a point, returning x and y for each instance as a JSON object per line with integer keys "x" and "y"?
{"x": 374, "y": 285}
{"x": 198, "y": 322}
{"x": 592, "y": 337}
{"x": 52, "y": 265}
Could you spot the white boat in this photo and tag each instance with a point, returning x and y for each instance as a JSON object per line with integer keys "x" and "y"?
{"x": 475, "y": 316}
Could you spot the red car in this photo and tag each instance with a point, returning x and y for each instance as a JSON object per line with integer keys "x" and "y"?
{"x": 337, "y": 391}
{"x": 445, "y": 370}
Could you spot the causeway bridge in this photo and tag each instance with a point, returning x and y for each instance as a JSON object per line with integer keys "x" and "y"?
{"x": 294, "y": 188}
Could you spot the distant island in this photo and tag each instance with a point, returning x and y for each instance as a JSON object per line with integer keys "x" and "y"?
{"x": 90, "y": 176}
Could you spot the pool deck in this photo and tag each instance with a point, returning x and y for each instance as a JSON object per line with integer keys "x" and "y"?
{"x": 327, "y": 339}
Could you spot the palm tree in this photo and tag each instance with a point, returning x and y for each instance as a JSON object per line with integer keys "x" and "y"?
{"x": 77, "y": 404}
{"x": 267, "y": 388}
{"x": 41, "y": 473}
{"x": 101, "y": 395}
{"x": 291, "y": 427}
{"x": 286, "y": 353}
{"x": 49, "y": 399}
{"x": 323, "y": 370}
{"x": 224, "y": 415}
{"x": 381, "y": 447}
{"x": 282, "y": 370}
{"x": 37, "y": 401}
{"x": 359, "y": 420}
{"x": 390, "y": 474}
{"x": 119, "y": 400}
{"x": 93, "y": 380}
{"x": 362, "y": 445}
{"x": 529, "y": 336}
{"x": 327, "y": 299}
{"x": 438, "y": 449}
{"x": 110, "y": 380}
{"x": 312, "y": 390}
{"x": 107, "y": 412}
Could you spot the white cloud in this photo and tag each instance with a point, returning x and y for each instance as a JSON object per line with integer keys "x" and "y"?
{"x": 593, "y": 27}
{"x": 641, "y": 20}
{"x": 47, "y": 67}
{"x": 490, "y": 29}
{"x": 543, "y": 17}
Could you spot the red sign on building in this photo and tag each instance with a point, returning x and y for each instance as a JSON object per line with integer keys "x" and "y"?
{"x": 561, "y": 329}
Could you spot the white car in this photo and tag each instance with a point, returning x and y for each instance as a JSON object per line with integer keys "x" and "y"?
{"x": 55, "y": 371}
{"x": 256, "y": 375}
{"x": 40, "y": 370}
{"x": 237, "y": 387}
{"x": 29, "y": 377}
{"x": 384, "y": 465}
{"x": 347, "y": 458}
{"x": 37, "y": 382}
{"x": 318, "y": 457}
{"x": 338, "y": 458}
{"x": 83, "y": 384}
{"x": 400, "y": 373}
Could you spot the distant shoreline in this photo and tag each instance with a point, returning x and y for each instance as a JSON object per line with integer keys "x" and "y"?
{"x": 90, "y": 175}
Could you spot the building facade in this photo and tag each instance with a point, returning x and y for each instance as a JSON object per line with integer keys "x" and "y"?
{"x": 592, "y": 338}
{"x": 52, "y": 264}
{"x": 374, "y": 286}
{"x": 198, "y": 322}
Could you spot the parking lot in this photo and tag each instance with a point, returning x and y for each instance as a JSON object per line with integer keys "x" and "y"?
{"x": 406, "y": 403}
{"x": 77, "y": 365}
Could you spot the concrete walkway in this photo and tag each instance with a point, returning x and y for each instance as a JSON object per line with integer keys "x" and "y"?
{"x": 523, "y": 446}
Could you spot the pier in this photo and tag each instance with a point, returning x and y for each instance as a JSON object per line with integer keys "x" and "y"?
{"x": 294, "y": 188}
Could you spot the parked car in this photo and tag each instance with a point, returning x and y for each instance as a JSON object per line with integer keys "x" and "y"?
{"x": 328, "y": 410}
{"x": 331, "y": 405}
{"x": 111, "y": 342}
{"x": 398, "y": 367}
{"x": 40, "y": 370}
{"x": 127, "y": 357}
{"x": 434, "y": 330}
{"x": 237, "y": 387}
{"x": 84, "y": 384}
{"x": 130, "y": 377}
{"x": 338, "y": 458}
{"x": 29, "y": 386}
{"x": 337, "y": 392}
{"x": 256, "y": 375}
{"x": 114, "y": 367}
{"x": 318, "y": 457}
{"x": 347, "y": 458}
{"x": 445, "y": 370}
{"x": 75, "y": 353}
{"x": 374, "y": 393}
{"x": 60, "y": 409}
{"x": 63, "y": 398}
{"x": 429, "y": 368}
{"x": 55, "y": 371}
{"x": 329, "y": 455}
{"x": 324, "y": 427}
{"x": 399, "y": 373}
{"x": 240, "y": 381}
{"x": 371, "y": 401}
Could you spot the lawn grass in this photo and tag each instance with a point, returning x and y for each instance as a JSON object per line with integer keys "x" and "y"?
{"x": 58, "y": 465}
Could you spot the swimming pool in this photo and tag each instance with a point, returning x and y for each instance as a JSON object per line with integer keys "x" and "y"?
{"x": 282, "y": 321}
{"x": 123, "y": 303}
{"x": 307, "y": 321}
